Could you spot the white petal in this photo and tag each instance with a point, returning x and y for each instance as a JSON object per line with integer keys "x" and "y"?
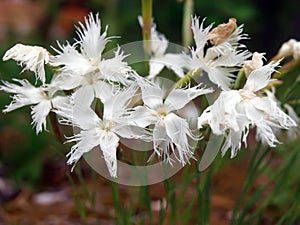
{"x": 108, "y": 144}
{"x": 260, "y": 77}
{"x": 151, "y": 94}
{"x": 155, "y": 67}
{"x": 265, "y": 133}
{"x": 204, "y": 118}
{"x": 132, "y": 132}
{"x": 200, "y": 33}
{"x": 39, "y": 113}
{"x": 176, "y": 62}
{"x": 178, "y": 98}
{"x": 115, "y": 107}
{"x": 103, "y": 90}
{"x": 84, "y": 95}
{"x": 179, "y": 132}
{"x": 252, "y": 113}
{"x": 86, "y": 141}
{"x": 65, "y": 81}
{"x": 115, "y": 69}
{"x": 142, "y": 116}
{"x": 233, "y": 142}
{"x": 25, "y": 94}
{"x": 221, "y": 76}
{"x": 32, "y": 57}
{"x": 91, "y": 40}
{"x": 70, "y": 60}
{"x": 161, "y": 141}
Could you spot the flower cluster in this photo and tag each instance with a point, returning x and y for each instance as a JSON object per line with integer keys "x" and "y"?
{"x": 139, "y": 107}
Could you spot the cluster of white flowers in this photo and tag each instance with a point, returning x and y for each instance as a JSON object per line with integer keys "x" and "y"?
{"x": 135, "y": 106}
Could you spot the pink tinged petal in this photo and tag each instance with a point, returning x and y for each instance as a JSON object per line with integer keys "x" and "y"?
{"x": 179, "y": 132}
{"x": 178, "y": 98}
{"x": 260, "y": 78}
{"x": 152, "y": 95}
{"x": 86, "y": 141}
{"x": 91, "y": 40}
{"x": 39, "y": 113}
{"x": 32, "y": 57}
{"x": 108, "y": 144}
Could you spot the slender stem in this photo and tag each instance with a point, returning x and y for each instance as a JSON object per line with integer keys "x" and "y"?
{"x": 147, "y": 23}
{"x": 240, "y": 79}
{"x": 188, "y": 78}
{"x": 55, "y": 127}
{"x": 186, "y": 24}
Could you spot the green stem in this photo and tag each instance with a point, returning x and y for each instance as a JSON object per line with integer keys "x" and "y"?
{"x": 56, "y": 128}
{"x": 188, "y": 78}
{"x": 186, "y": 24}
{"x": 147, "y": 23}
{"x": 240, "y": 79}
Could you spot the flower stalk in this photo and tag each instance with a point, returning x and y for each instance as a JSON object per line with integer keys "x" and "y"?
{"x": 186, "y": 24}
{"x": 147, "y": 23}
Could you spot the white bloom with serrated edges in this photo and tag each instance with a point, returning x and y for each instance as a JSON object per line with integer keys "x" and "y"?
{"x": 234, "y": 112}
{"x": 171, "y": 132}
{"x": 43, "y": 100}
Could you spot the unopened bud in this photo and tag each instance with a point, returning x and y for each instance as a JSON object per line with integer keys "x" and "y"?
{"x": 222, "y": 32}
{"x": 253, "y": 64}
{"x": 286, "y": 49}
{"x": 296, "y": 50}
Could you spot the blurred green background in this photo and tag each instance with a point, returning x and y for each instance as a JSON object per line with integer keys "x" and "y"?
{"x": 42, "y": 22}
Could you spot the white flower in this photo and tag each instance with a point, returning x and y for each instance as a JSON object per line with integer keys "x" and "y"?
{"x": 32, "y": 57}
{"x": 43, "y": 99}
{"x": 218, "y": 61}
{"x": 235, "y": 111}
{"x": 171, "y": 132}
{"x": 82, "y": 63}
{"x": 159, "y": 58}
{"x": 105, "y": 132}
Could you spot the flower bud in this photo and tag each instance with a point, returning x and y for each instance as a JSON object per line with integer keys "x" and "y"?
{"x": 253, "y": 64}
{"x": 286, "y": 49}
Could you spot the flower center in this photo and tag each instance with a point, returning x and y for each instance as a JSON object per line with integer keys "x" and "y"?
{"x": 162, "y": 111}
{"x": 247, "y": 95}
{"x": 107, "y": 125}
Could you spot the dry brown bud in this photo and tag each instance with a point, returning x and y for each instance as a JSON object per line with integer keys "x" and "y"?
{"x": 222, "y": 32}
